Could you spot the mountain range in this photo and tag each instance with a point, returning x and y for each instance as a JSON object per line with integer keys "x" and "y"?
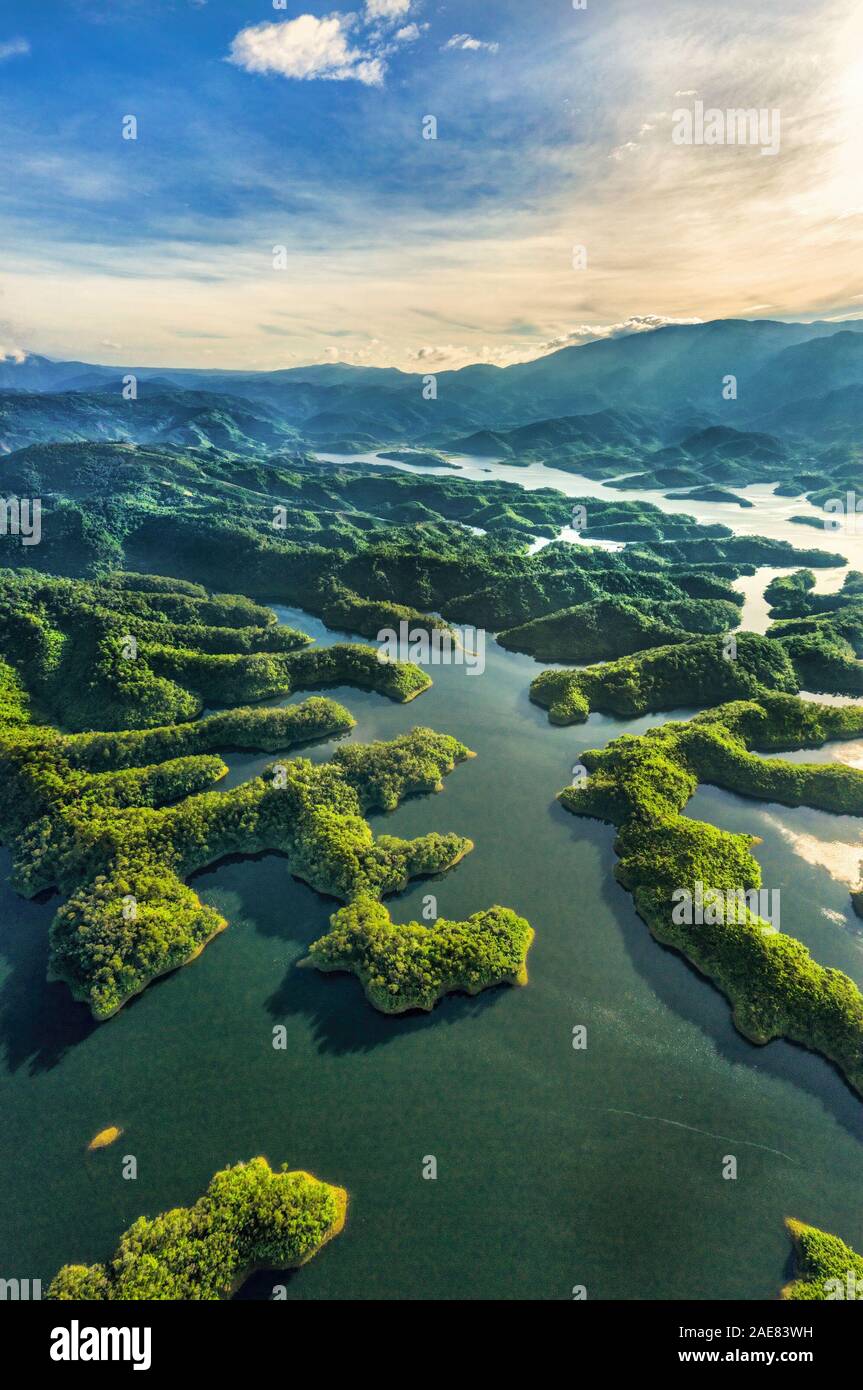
{"x": 794, "y": 384}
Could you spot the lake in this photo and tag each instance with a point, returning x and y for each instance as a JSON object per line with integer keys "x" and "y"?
{"x": 556, "y": 1167}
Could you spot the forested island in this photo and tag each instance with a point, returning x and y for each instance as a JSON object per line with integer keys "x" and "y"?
{"x": 607, "y": 628}
{"x": 827, "y": 1268}
{"x": 688, "y": 675}
{"x": 815, "y": 643}
{"x": 249, "y": 1218}
{"x": 118, "y": 821}
{"x": 412, "y": 966}
{"x": 641, "y": 786}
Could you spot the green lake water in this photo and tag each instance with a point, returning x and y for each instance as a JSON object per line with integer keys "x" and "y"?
{"x": 556, "y": 1167}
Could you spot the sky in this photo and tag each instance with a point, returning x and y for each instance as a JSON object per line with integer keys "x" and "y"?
{"x": 280, "y": 204}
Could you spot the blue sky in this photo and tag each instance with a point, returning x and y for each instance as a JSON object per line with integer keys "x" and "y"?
{"x": 301, "y": 127}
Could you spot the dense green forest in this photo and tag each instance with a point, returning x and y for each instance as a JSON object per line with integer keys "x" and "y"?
{"x": 818, "y": 651}
{"x": 827, "y": 1268}
{"x": 335, "y": 539}
{"x": 410, "y": 966}
{"x": 641, "y": 784}
{"x": 250, "y": 1217}
{"x": 690, "y": 675}
{"x": 137, "y": 651}
{"x": 607, "y": 628}
{"x": 822, "y": 633}
{"x": 117, "y": 821}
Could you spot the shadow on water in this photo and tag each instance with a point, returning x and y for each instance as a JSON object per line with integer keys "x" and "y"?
{"x": 260, "y": 1285}
{"x": 342, "y": 1020}
{"x": 280, "y": 905}
{"x": 670, "y": 975}
{"x": 39, "y": 1022}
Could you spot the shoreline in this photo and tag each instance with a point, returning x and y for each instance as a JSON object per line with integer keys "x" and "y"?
{"x": 55, "y": 976}
{"x": 342, "y": 1199}
{"x": 519, "y": 980}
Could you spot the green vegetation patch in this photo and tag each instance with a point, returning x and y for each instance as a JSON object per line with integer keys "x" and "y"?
{"x": 98, "y": 655}
{"x": 827, "y": 1268}
{"x": 822, "y": 633}
{"x": 410, "y": 966}
{"x": 695, "y": 672}
{"x": 609, "y": 628}
{"x": 121, "y": 843}
{"x": 642, "y": 783}
{"x": 249, "y": 1218}
{"x": 118, "y": 820}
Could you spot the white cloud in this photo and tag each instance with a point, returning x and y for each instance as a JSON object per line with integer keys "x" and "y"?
{"x": 841, "y": 858}
{"x": 451, "y": 356}
{"x": 14, "y": 48}
{"x": 591, "y": 333}
{"x": 306, "y": 48}
{"x": 467, "y": 41}
{"x": 409, "y": 33}
{"x": 387, "y": 9}
{"x": 620, "y": 151}
{"x": 482, "y": 264}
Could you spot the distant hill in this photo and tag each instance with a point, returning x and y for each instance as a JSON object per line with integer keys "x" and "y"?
{"x": 158, "y": 416}
{"x": 572, "y": 433}
{"x": 639, "y": 392}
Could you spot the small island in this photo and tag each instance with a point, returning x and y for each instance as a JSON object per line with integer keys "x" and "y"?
{"x": 711, "y": 493}
{"x": 827, "y": 1268}
{"x": 688, "y": 675}
{"x": 412, "y": 966}
{"x": 418, "y": 458}
{"x": 249, "y": 1218}
{"x": 104, "y": 1138}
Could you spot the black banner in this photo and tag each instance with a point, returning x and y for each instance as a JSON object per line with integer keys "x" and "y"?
{"x": 65, "y": 1338}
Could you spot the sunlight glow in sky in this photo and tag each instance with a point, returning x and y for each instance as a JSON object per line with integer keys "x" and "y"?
{"x": 295, "y": 125}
